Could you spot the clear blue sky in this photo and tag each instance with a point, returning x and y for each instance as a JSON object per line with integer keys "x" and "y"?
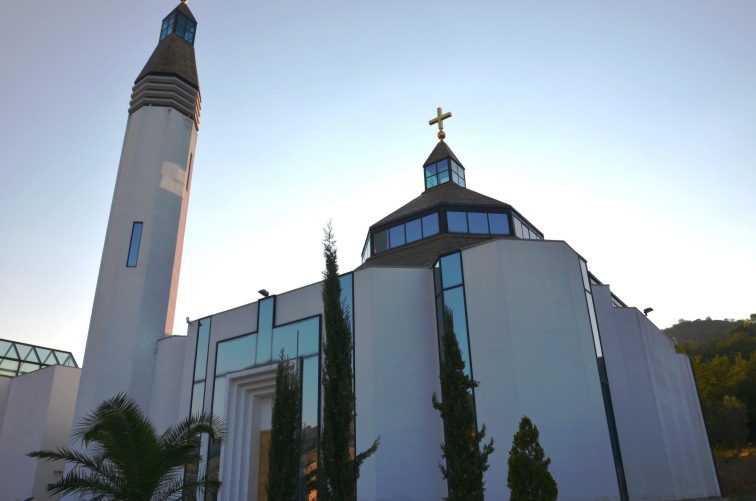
{"x": 626, "y": 129}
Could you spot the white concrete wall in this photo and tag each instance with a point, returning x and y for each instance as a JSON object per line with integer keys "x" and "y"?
{"x": 396, "y": 358}
{"x": 664, "y": 446}
{"x": 532, "y": 352}
{"x": 165, "y": 406}
{"x": 133, "y": 307}
{"x": 39, "y": 413}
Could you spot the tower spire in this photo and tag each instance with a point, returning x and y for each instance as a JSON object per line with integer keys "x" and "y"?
{"x": 137, "y": 284}
{"x": 170, "y": 76}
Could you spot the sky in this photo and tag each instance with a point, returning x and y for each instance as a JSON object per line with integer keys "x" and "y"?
{"x": 626, "y": 129}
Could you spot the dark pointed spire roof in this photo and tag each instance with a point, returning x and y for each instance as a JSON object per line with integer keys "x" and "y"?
{"x": 173, "y": 56}
{"x": 170, "y": 78}
{"x": 184, "y": 9}
{"x": 440, "y": 152}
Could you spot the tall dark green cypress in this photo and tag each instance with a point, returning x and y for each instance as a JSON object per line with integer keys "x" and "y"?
{"x": 285, "y": 435}
{"x": 465, "y": 461}
{"x": 337, "y": 470}
{"x": 529, "y": 478}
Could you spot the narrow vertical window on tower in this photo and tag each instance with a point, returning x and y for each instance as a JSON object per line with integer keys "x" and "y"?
{"x": 189, "y": 172}
{"x": 136, "y": 238}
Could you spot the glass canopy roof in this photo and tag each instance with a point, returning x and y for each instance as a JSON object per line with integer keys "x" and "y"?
{"x": 20, "y": 358}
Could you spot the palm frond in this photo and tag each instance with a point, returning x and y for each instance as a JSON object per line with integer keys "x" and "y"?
{"x": 127, "y": 460}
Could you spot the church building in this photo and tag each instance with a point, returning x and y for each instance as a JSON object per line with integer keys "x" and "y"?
{"x": 616, "y": 406}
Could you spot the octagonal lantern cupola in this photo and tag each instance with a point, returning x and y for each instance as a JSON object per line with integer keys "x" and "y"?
{"x": 442, "y": 167}
{"x": 181, "y": 22}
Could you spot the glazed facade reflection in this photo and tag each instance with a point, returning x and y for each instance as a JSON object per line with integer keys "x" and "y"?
{"x": 301, "y": 341}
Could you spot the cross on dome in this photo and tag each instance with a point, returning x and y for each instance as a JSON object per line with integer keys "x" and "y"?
{"x": 440, "y": 117}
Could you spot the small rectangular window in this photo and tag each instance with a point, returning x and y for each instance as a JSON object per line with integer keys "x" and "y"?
{"x": 136, "y": 238}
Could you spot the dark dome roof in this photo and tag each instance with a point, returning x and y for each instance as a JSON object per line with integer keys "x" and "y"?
{"x": 445, "y": 194}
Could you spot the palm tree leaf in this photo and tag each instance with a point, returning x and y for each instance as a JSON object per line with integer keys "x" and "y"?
{"x": 126, "y": 460}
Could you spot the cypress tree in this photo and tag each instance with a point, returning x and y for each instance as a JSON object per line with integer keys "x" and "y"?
{"x": 465, "y": 460}
{"x": 529, "y": 478}
{"x": 285, "y": 435}
{"x": 338, "y": 469}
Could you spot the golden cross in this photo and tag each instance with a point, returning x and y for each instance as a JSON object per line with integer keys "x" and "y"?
{"x": 440, "y": 117}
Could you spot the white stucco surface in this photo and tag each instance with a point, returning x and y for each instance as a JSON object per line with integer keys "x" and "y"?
{"x": 133, "y": 306}
{"x": 396, "y": 359}
{"x": 39, "y": 413}
{"x": 665, "y": 451}
{"x": 532, "y": 352}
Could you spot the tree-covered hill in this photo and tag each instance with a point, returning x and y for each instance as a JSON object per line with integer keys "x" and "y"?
{"x": 725, "y": 369}
{"x": 699, "y": 331}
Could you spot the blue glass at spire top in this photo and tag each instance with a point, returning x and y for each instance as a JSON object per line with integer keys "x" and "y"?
{"x": 178, "y": 23}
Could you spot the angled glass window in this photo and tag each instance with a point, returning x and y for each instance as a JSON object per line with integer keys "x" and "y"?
{"x": 414, "y": 231}
{"x": 136, "y": 238}
{"x": 396, "y": 236}
{"x": 430, "y": 225}
{"x": 457, "y": 222}
{"x": 381, "y": 241}
{"x": 499, "y": 224}
{"x": 478, "y": 222}
{"x": 518, "y": 227}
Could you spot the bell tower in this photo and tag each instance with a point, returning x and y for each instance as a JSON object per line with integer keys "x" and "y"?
{"x": 135, "y": 298}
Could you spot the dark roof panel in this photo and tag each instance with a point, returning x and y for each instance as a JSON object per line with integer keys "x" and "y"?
{"x": 446, "y": 194}
{"x": 440, "y": 152}
{"x": 173, "y": 57}
{"x": 424, "y": 253}
{"x": 184, "y": 9}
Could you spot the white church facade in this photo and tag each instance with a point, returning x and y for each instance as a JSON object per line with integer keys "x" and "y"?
{"x": 617, "y": 408}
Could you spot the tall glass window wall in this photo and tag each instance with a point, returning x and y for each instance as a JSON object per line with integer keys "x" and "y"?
{"x": 450, "y": 294}
{"x": 444, "y": 171}
{"x": 604, "y": 379}
{"x": 301, "y": 341}
{"x": 197, "y": 404}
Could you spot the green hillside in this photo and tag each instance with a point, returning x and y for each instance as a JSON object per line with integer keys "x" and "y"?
{"x": 700, "y": 331}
